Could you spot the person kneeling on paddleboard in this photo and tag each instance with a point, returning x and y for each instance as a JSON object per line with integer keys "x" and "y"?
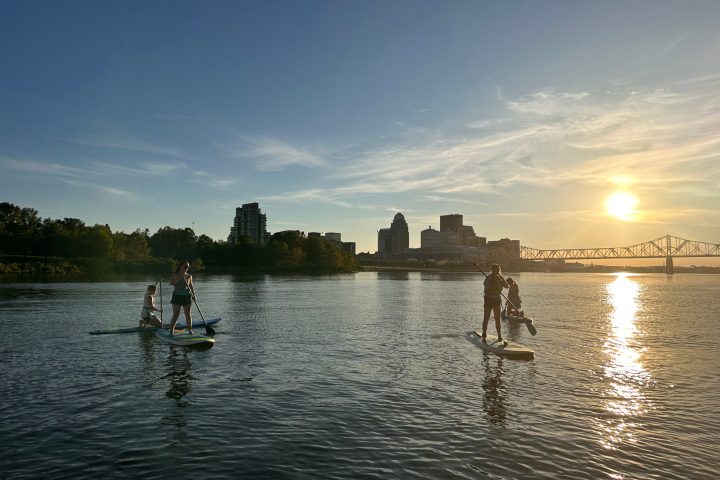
{"x": 494, "y": 284}
{"x": 182, "y": 295}
{"x": 513, "y": 305}
{"x": 147, "y": 318}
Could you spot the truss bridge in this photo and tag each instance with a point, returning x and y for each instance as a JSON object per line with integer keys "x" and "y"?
{"x": 665, "y": 247}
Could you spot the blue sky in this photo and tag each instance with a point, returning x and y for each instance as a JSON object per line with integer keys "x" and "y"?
{"x": 522, "y": 116}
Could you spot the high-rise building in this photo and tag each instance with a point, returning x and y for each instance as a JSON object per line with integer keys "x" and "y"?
{"x": 249, "y": 222}
{"x": 384, "y": 240}
{"x": 333, "y": 237}
{"x": 396, "y": 239}
{"x": 452, "y": 222}
{"x": 400, "y": 235}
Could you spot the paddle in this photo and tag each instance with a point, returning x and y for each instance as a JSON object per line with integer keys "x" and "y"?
{"x": 161, "y": 304}
{"x": 208, "y": 329}
{"x": 528, "y": 323}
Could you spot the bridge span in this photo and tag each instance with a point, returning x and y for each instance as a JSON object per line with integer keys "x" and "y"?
{"x": 665, "y": 247}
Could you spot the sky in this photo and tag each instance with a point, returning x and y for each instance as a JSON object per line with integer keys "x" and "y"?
{"x": 524, "y": 117}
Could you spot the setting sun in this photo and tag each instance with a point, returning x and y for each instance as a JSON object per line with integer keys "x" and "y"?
{"x": 621, "y": 205}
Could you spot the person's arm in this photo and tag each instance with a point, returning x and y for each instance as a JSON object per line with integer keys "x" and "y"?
{"x": 153, "y": 308}
{"x": 504, "y": 282}
{"x": 191, "y": 287}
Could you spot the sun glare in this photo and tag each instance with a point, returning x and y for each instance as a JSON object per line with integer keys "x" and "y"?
{"x": 621, "y": 205}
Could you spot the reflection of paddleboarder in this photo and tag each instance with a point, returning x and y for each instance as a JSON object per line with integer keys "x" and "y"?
{"x": 493, "y": 399}
{"x": 494, "y": 284}
{"x": 179, "y": 374}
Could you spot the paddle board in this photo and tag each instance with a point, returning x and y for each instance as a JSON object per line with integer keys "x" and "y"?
{"x": 491, "y": 344}
{"x": 181, "y": 325}
{"x": 185, "y": 339}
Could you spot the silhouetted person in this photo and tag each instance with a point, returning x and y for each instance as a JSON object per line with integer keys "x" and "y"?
{"x": 494, "y": 284}
{"x": 512, "y": 307}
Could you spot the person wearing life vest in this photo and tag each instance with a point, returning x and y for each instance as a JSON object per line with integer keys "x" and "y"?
{"x": 494, "y": 284}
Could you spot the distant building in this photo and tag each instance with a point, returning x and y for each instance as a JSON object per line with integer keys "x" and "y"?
{"x": 249, "y": 222}
{"x": 396, "y": 239}
{"x": 400, "y": 236}
{"x": 333, "y": 237}
{"x": 314, "y": 235}
{"x": 430, "y": 238}
{"x": 504, "y": 251}
{"x": 348, "y": 247}
{"x": 384, "y": 240}
{"x": 452, "y": 222}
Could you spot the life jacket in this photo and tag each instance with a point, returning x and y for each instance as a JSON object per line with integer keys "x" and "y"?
{"x": 494, "y": 285}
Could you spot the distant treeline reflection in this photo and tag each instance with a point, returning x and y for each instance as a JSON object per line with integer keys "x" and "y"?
{"x": 31, "y": 244}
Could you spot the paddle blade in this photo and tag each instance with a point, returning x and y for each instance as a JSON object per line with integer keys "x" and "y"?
{"x": 531, "y": 328}
{"x": 209, "y": 330}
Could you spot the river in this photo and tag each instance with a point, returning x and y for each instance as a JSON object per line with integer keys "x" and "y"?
{"x": 365, "y": 375}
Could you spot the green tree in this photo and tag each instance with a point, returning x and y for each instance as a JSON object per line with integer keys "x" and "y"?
{"x": 20, "y": 230}
{"x": 174, "y": 243}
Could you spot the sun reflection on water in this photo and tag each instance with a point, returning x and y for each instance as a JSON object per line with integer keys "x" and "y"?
{"x": 625, "y": 399}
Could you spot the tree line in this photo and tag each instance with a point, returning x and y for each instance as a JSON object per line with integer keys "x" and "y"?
{"x": 24, "y": 234}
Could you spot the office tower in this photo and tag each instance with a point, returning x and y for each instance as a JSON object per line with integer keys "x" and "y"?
{"x": 384, "y": 241}
{"x": 333, "y": 237}
{"x": 452, "y": 222}
{"x": 400, "y": 236}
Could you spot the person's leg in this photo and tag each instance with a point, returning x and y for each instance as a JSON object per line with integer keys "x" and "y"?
{"x": 155, "y": 321}
{"x": 176, "y": 314}
{"x": 486, "y": 319}
{"x": 188, "y": 317}
{"x": 496, "y": 310}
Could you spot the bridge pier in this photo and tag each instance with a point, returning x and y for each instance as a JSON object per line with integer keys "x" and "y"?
{"x": 669, "y": 265}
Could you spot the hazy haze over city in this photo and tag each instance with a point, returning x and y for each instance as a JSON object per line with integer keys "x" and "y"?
{"x": 561, "y": 124}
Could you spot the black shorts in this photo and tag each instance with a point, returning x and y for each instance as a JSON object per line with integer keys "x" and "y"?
{"x": 492, "y": 301}
{"x": 181, "y": 299}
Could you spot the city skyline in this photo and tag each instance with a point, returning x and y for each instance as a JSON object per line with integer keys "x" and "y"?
{"x": 564, "y": 126}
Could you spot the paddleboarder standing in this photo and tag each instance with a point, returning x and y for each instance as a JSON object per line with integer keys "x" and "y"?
{"x": 494, "y": 284}
{"x": 182, "y": 295}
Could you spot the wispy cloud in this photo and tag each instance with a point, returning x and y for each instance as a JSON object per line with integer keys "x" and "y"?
{"x": 45, "y": 168}
{"x": 108, "y": 191}
{"x": 215, "y": 181}
{"x": 270, "y": 154}
{"x": 142, "y": 169}
{"x": 660, "y": 136}
{"x": 315, "y": 195}
{"x": 124, "y": 142}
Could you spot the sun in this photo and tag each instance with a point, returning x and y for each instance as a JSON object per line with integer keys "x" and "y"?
{"x": 621, "y": 205}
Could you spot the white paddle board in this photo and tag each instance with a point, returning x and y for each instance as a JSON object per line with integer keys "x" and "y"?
{"x": 507, "y": 349}
{"x": 185, "y": 339}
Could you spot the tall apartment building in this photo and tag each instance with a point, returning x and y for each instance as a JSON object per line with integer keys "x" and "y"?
{"x": 249, "y": 222}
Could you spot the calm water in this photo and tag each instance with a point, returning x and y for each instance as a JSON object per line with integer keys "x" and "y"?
{"x": 365, "y": 376}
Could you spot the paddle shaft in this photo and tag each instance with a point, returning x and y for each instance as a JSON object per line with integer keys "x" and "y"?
{"x": 161, "y": 304}
{"x": 208, "y": 329}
